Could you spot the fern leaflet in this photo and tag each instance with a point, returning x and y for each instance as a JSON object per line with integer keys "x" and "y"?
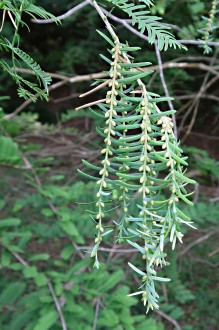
{"x": 156, "y": 30}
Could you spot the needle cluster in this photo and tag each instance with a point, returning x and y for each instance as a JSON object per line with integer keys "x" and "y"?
{"x": 142, "y": 157}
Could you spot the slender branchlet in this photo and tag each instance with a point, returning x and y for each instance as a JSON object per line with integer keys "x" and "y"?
{"x": 15, "y": 10}
{"x": 209, "y": 26}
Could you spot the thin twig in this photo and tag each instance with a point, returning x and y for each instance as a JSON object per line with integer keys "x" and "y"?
{"x": 58, "y": 307}
{"x": 29, "y": 101}
{"x": 64, "y": 16}
{"x": 96, "y": 88}
{"x": 170, "y": 319}
{"x": 213, "y": 252}
{"x": 3, "y": 19}
{"x": 19, "y": 258}
{"x": 101, "y": 12}
{"x": 90, "y": 104}
{"x": 55, "y": 86}
{"x": 197, "y": 259}
{"x": 198, "y": 42}
{"x": 197, "y": 100}
{"x": 96, "y": 313}
{"x": 167, "y": 65}
{"x": 192, "y": 96}
{"x": 124, "y": 22}
{"x": 12, "y": 20}
{"x": 197, "y": 241}
{"x": 99, "y": 75}
{"x": 166, "y": 91}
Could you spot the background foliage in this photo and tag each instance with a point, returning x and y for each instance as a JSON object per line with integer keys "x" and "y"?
{"x": 45, "y": 232}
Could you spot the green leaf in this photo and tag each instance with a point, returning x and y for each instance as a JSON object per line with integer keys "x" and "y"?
{"x": 37, "y": 11}
{"x": 69, "y": 228}
{"x": 88, "y": 176}
{"x": 160, "y": 279}
{"x": 5, "y": 259}
{"x": 136, "y": 246}
{"x": 9, "y": 153}
{"x": 42, "y": 256}
{"x": 111, "y": 281}
{"x": 41, "y": 75}
{"x": 11, "y": 293}
{"x": 67, "y": 252}
{"x": 47, "y": 212}
{"x": 2, "y": 204}
{"x": 135, "y": 65}
{"x": 105, "y": 59}
{"x": 135, "y": 293}
{"x": 30, "y": 272}
{"x": 9, "y": 222}
{"x": 184, "y": 178}
{"x": 106, "y": 38}
{"x": 40, "y": 279}
{"x": 93, "y": 167}
{"x": 107, "y": 232}
{"x": 46, "y": 321}
{"x": 94, "y": 251}
{"x": 136, "y": 269}
{"x": 135, "y": 77}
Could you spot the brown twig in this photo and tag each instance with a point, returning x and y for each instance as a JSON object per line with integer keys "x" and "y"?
{"x": 64, "y": 80}
{"x": 90, "y": 104}
{"x": 57, "y": 304}
{"x": 196, "y": 242}
{"x": 96, "y": 88}
{"x": 196, "y": 101}
{"x": 96, "y": 313}
{"x": 3, "y": 19}
{"x": 64, "y": 16}
{"x": 213, "y": 252}
{"x": 166, "y": 91}
{"x": 168, "y": 318}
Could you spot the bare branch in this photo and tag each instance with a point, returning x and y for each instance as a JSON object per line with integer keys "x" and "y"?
{"x": 170, "y": 319}
{"x": 12, "y": 20}
{"x": 3, "y": 20}
{"x": 163, "y": 81}
{"x": 197, "y": 241}
{"x": 125, "y": 23}
{"x": 96, "y": 88}
{"x": 96, "y": 313}
{"x": 62, "y": 17}
{"x": 90, "y": 104}
{"x": 57, "y": 304}
{"x": 64, "y": 80}
{"x": 99, "y": 75}
{"x": 213, "y": 252}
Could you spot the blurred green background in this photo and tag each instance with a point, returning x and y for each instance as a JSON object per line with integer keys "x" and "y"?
{"x": 46, "y": 231}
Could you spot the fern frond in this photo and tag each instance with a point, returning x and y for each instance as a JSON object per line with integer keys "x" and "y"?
{"x": 18, "y": 56}
{"x": 156, "y": 30}
{"x": 148, "y": 3}
{"x": 36, "y": 11}
{"x": 43, "y": 77}
{"x": 24, "y": 86}
{"x": 132, "y": 165}
{"x": 209, "y": 26}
